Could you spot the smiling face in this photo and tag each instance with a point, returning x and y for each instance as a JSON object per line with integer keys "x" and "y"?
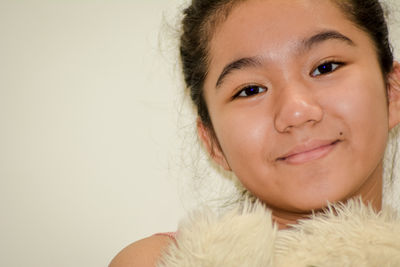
{"x": 297, "y": 103}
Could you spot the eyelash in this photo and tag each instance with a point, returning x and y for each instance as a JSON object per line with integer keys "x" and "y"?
{"x": 255, "y": 89}
{"x": 334, "y": 64}
{"x": 252, "y": 90}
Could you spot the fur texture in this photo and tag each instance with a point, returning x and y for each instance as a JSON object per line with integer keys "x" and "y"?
{"x": 345, "y": 235}
{"x": 391, "y": 171}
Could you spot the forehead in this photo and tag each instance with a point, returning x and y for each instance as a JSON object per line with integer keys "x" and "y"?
{"x": 271, "y": 28}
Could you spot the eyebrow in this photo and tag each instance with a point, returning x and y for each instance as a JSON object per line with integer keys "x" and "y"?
{"x": 305, "y": 45}
{"x": 323, "y": 36}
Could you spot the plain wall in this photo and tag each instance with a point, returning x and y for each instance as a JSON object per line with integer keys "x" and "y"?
{"x": 96, "y": 138}
{"x": 88, "y": 117}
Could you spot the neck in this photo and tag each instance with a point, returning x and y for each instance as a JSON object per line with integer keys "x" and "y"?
{"x": 370, "y": 192}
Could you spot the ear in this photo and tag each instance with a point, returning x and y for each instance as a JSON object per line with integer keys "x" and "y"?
{"x": 394, "y": 95}
{"x": 210, "y": 143}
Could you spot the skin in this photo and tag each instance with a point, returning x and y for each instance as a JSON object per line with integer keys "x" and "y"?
{"x": 305, "y": 136}
{"x": 298, "y": 110}
{"x": 142, "y": 253}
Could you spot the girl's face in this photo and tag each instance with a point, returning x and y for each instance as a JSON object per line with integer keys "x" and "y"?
{"x": 297, "y": 101}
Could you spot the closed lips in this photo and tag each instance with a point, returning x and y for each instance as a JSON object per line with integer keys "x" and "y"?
{"x": 306, "y": 148}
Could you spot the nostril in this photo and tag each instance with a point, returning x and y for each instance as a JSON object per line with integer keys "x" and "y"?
{"x": 287, "y": 129}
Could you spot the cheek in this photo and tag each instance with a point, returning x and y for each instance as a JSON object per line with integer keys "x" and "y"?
{"x": 242, "y": 133}
{"x": 361, "y": 105}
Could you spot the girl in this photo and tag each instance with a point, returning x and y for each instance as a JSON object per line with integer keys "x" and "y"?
{"x": 297, "y": 99}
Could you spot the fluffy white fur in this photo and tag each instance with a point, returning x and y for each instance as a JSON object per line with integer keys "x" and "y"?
{"x": 345, "y": 235}
{"x": 391, "y": 171}
{"x": 208, "y": 240}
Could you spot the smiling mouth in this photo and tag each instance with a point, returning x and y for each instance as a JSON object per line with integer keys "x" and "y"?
{"x": 305, "y": 153}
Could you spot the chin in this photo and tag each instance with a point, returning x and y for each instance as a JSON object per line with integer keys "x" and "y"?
{"x": 317, "y": 195}
{"x": 309, "y": 202}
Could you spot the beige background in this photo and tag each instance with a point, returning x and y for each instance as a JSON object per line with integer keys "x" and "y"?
{"x": 95, "y": 134}
{"x": 88, "y": 117}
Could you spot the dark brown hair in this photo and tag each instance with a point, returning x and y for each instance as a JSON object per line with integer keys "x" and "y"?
{"x": 203, "y": 16}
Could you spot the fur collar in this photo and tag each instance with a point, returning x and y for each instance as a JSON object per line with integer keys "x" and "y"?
{"x": 354, "y": 235}
{"x": 391, "y": 171}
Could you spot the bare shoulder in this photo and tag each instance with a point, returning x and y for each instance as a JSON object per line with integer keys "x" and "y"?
{"x": 144, "y": 253}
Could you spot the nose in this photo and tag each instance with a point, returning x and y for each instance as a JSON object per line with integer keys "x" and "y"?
{"x": 297, "y": 107}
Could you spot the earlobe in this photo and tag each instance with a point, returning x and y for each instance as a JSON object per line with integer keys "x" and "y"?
{"x": 210, "y": 144}
{"x": 394, "y": 95}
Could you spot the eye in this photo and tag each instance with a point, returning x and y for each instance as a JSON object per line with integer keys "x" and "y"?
{"x": 251, "y": 90}
{"x": 326, "y": 68}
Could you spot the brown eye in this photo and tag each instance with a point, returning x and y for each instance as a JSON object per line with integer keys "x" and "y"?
{"x": 251, "y": 90}
{"x": 326, "y": 68}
